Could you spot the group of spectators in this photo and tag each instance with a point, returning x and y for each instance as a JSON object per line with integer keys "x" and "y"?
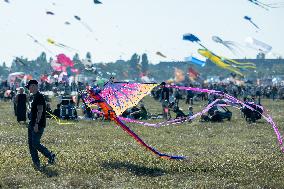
{"x": 168, "y": 97}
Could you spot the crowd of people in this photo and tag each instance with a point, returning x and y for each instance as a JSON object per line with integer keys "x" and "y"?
{"x": 168, "y": 97}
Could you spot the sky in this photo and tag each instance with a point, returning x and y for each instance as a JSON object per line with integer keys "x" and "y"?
{"x": 121, "y": 28}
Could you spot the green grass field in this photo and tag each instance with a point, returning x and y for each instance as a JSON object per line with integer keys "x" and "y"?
{"x": 98, "y": 154}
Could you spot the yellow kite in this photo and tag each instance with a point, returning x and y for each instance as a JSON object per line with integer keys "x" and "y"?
{"x": 226, "y": 63}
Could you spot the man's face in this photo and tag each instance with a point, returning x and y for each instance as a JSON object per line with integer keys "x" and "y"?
{"x": 33, "y": 88}
{"x": 21, "y": 91}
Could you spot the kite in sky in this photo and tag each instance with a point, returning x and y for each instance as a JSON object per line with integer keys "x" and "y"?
{"x": 161, "y": 54}
{"x": 265, "y": 5}
{"x": 40, "y": 44}
{"x": 49, "y": 13}
{"x": 195, "y": 61}
{"x": 115, "y": 98}
{"x": 192, "y": 38}
{"x": 52, "y": 42}
{"x": 250, "y": 20}
{"x": 97, "y": 2}
{"x": 83, "y": 23}
{"x": 225, "y": 63}
{"x": 64, "y": 64}
{"x": 232, "y": 46}
{"x": 257, "y": 45}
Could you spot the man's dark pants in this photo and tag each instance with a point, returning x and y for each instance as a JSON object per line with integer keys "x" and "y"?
{"x": 35, "y": 145}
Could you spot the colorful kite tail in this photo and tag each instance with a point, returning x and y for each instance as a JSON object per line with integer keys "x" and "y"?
{"x": 139, "y": 140}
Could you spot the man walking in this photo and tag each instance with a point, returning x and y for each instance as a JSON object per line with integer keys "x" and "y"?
{"x": 36, "y": 126}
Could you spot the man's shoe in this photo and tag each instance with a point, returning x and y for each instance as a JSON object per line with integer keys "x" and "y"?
{"x": 51, "y": 160}
{"x": 37, "y": 167}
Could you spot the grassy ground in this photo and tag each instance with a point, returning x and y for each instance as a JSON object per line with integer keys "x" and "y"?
{"x": 97, "y": 154}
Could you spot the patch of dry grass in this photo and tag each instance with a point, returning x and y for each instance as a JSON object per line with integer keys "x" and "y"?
{"x": 98, "y": 154}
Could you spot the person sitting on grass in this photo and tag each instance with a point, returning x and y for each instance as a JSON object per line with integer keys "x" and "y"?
{"x": 216, "y": 117}
{"x": 139, "y": 113}
{"x": 179, "y": 113}
{"x": 56, "y": 111}
{"x": 190, "y": 111}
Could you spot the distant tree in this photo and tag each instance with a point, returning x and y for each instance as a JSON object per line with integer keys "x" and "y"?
{"x": 76, "y": 58}
{"x": 4, "y": 65}
{"x": 144, "y": 63}
{"x": 78, "y": 63}
{"x": 89, "y": 56}
{"x": 134, "y": 66}
{"x": 42, "y": 57}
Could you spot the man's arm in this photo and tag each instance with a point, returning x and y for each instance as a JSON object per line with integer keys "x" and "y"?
{"x": 38, "y": 117}
{"x": 39, "y": 113}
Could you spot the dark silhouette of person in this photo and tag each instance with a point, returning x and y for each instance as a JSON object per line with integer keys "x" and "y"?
{"x": 21, "y": 106}
{"x": 37, "y": 125}
{"x": 56, "y": 111}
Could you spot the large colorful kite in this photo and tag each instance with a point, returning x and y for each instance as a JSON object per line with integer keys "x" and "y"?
{"x": 95, "y": 96}
{"x": 115, "y": 98}
{"x": 225, "y": 63}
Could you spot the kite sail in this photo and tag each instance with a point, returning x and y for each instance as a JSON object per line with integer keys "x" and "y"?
{"x": 121, "y": 96}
